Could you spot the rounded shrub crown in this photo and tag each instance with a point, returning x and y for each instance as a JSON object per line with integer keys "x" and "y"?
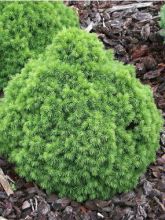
{"x": 26, "y": 28}
{"x": 78, "y": 122}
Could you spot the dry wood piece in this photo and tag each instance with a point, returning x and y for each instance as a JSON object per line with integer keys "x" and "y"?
{"x": 129, "y": 6}
{"x": 5, "y": 184}
{"x": 90, "y": 27}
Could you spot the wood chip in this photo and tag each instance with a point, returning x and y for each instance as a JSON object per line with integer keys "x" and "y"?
{"x": 159, "y": 203}
{"x": 90, "y": 27}
{"x": 2, "y": 218}
{"x": 129, "y": 6}
{"x": 5, "y": 184}
{"x": 26, "y": 205}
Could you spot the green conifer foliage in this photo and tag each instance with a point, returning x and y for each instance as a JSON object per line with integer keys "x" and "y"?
{"x": 162, "y": 18}
{"x": 26, "y": 28}
{"x": 79, "y": 123}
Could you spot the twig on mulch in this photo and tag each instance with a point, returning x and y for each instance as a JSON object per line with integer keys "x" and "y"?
{"x": 32, "y": 206}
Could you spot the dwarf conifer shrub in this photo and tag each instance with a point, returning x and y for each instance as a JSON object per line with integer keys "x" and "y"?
{"x": 162, "y": 18}
{"x": 162, "y": 22}
{"x": 26, "y": 28}
{"x": 77, "y": 122}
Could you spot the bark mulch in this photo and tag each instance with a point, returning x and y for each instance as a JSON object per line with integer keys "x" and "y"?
{"x": 135, "y": 36}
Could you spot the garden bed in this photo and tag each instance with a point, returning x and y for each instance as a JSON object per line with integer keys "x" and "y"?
{"x": 134, "y": 34}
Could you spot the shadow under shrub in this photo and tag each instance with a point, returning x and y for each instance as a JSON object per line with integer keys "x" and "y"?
{"x": 26, "y": 28}
{"x": 79, "y": 123}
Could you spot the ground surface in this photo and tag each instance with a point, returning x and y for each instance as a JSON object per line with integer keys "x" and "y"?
{"x": 134, "y": 36}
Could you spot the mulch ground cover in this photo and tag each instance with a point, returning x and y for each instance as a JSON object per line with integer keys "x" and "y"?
{"x": 132, "y": 30}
